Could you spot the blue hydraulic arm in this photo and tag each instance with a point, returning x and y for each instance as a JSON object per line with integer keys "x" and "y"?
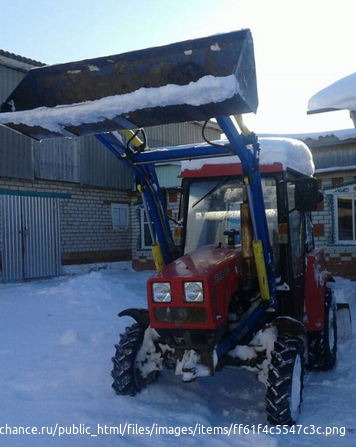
{"x": 248, "y": 149}
{"x": 145, "y": 176}
{"x": 141, "y": 163}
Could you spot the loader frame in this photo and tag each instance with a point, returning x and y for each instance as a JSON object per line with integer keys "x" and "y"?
{"x": 247, "y": 148}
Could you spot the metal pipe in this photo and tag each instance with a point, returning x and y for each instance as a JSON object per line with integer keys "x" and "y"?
{"x": 149, "y": 220}
{"x": 246, "y": 236}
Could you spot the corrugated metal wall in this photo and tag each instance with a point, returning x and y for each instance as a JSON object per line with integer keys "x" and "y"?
{"x": 342, "y": 155}
{"x": 181, "y": 133}
{"x": 41, "y": 237}
{"x": 82, "y": 160}
{"x": 175, "y": 134}
{"x": 11, "y": 239}
{"x": 30, "y": 233}
{"x": 99, "y": 167}
{"x": 16, "y": 155}
{"x": 57, "y": 159}
{"x": 9, "y": 79}
{"x": 77, "y": 160}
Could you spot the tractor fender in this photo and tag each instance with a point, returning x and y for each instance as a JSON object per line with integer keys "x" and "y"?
{"x": 289, "y": 326}
{"x": 316, "y": 279}
{"x": 139, "y": 315}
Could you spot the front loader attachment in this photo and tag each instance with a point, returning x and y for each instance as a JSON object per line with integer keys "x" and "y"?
{"x": 186, "y": 81}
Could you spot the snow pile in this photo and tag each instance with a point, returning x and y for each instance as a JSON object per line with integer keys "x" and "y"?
{"x": 243, "y": 352}
{"x": 81, "y": 269}
{"x": 320, "y": 273}
{"x": 290, "y": 153}
{"x": 344, "y": 290}
{"x": 148, "y": 358}
{"x": 208, "y": 89}
{"x": 338, "y": 96}
{"x": 190, "y": 367}
{"x": 263, "y": 341}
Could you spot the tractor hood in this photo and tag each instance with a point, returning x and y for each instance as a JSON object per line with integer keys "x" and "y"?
{"x": 215, "y": 269}
{"x": 202, "y": 262}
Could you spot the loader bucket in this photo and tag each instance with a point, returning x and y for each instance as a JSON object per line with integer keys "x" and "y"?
{"x": 187, "y": 81}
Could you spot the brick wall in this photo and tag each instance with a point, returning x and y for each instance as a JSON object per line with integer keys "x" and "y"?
{"x": 340, "y": 259}
{"x": 87, "y": 234}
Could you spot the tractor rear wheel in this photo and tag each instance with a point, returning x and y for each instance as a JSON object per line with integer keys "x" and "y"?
{"x": 323, "y": 344}
{"x": 128, "y": 377}
{"x": 285, "y": 381}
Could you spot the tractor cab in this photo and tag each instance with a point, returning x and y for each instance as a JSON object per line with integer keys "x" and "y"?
{"x": 212, "y": 207}
{"x": 215, "y": 210}
{"x": 214, "y": 191}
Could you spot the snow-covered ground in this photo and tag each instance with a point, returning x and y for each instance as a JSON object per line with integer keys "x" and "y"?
{"x": 57, "y": 339}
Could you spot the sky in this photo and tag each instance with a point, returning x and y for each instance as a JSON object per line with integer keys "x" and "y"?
{"x": 300, "y": 46}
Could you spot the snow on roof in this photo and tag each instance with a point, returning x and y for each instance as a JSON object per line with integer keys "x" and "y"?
{"x": 335, "y": 168}
{"x": 341, "y": 135}
{"x": 290, "y": 153}
{"x": 338, "y": 96}
{"x": 206, "y": 90}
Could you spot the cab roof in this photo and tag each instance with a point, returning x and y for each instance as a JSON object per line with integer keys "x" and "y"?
{"x": 277, "y": 155}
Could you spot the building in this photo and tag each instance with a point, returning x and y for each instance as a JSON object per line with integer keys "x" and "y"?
{"x": 334, "y": 156}
{"x": 67, "y": 201}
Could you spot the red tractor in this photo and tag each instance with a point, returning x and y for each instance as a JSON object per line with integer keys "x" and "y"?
{"x": 244, "y": 286}
{"x": 205, "y": 309}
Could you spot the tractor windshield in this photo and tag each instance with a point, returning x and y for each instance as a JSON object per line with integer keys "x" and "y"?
{"x": 214, "y": 206}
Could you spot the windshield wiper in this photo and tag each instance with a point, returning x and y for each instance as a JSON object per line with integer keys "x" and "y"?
{"x": 211, "y": 191}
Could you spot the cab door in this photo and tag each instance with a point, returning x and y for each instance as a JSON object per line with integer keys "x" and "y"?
{"x": 296, "y": 226}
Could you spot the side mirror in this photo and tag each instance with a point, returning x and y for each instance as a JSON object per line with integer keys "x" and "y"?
{"x": 307, "y": 196}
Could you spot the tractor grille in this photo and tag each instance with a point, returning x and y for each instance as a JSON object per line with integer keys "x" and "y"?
{"x": 179, "y": 315}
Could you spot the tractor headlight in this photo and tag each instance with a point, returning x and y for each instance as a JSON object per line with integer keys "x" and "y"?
{"x": 161, "y": 292}
{"x": 193, "y": 292}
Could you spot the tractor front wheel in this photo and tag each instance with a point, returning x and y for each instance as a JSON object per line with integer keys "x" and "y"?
{"x": 323, "y": 344}
{"x": 129, "y": 376}
{"x": 285, "y": 381}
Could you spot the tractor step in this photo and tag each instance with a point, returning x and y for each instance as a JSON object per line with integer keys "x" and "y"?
{"x": 187, "y": 81}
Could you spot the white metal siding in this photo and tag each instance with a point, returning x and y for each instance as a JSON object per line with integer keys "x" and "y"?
{"x": 11, "y": 234}
{"x": 30, "y": 237}
{"x": 41, "y": 237}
